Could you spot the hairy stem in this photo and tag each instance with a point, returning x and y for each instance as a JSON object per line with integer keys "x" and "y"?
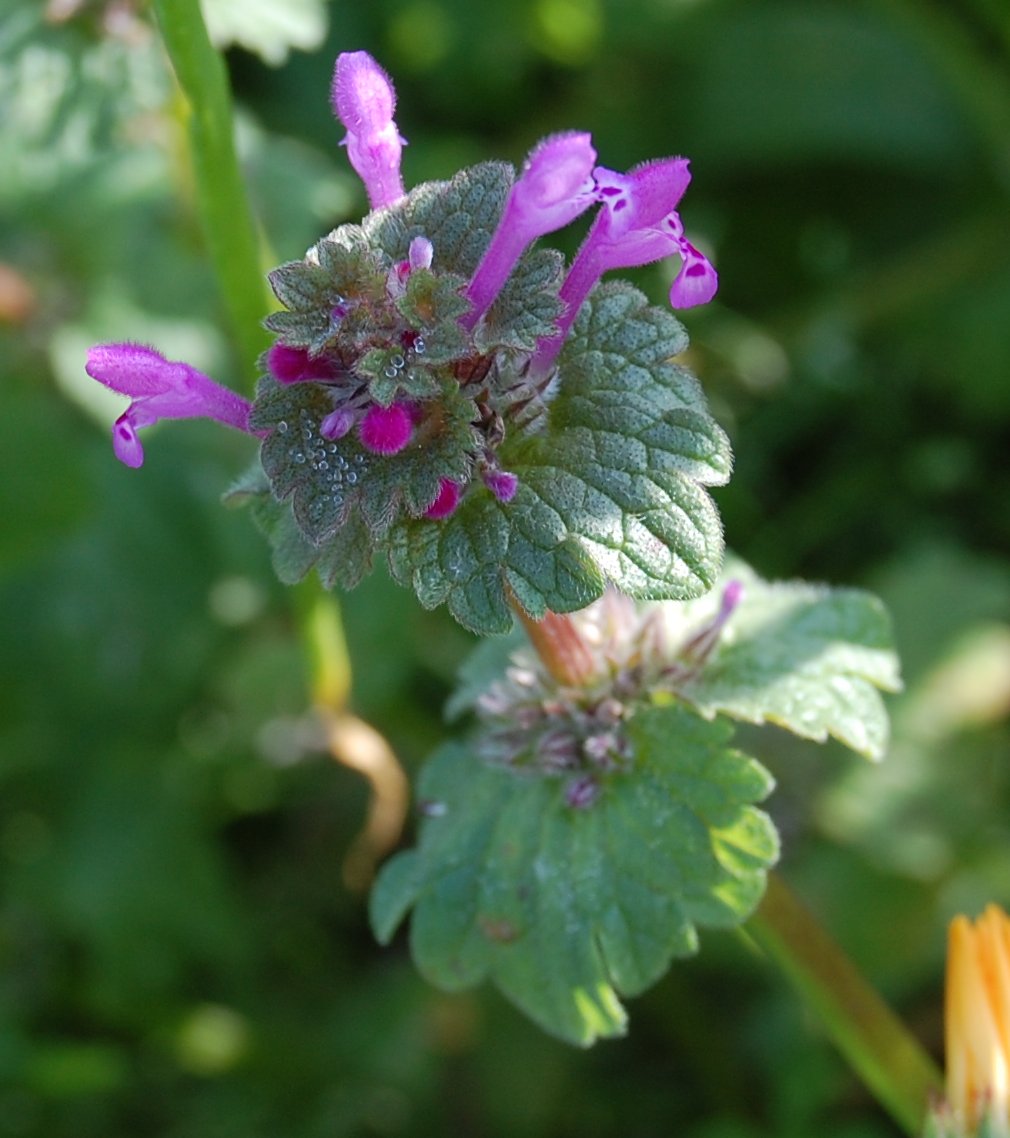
{"x": 221, "y": 197}
{"x": 881, "y": 1050}
{"x": 350, "y": 740}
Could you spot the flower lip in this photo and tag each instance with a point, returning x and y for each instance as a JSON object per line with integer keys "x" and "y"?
{"x": 159, "y": 389}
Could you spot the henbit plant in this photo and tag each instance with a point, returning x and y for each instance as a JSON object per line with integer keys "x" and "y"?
{"x": 518, "y": 440}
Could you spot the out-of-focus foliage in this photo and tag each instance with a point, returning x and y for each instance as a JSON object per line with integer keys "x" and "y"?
{"x": 179, "y": 954}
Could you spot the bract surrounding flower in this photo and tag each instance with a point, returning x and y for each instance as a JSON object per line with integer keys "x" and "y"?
{"x": 160, "y": 389}
{"x": 556, "y": 185}
{"x": 977, "y": 1016}
{"x": 364, "y": 100}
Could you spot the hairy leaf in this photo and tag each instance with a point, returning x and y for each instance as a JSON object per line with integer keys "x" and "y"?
{"x": 807, "y": 657}
{"x": 564, "y": 908}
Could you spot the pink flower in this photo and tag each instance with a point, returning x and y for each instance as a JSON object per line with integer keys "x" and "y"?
{"x": 637, "y": 223}
{"x": 386, "y": 430}
{"x": 159, "y": 389}
{"x": 446, "y": 501}
{"x": 363, "y": 99}
{"x": 556, "y": 185}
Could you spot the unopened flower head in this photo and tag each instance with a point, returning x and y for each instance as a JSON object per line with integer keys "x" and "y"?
{"x": 364, "y": 101}
{"x": 977, "y": 1022}
{"x": 532, "y": 722}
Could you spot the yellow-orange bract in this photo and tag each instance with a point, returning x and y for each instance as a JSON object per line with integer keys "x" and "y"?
{"x": 978, "y": 1021}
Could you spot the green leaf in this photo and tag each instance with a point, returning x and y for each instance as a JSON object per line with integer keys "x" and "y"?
{"x": 806, "y": 657}
{"x": 528, "y": 307}
{"x": 466, "y": 560}
{"x": 567, "y": 909}
{"x": 629, "y": 446}
{"x": 458, "y": 217}
{"x": 433, "y": 305}
{"x": 611, "y": 490}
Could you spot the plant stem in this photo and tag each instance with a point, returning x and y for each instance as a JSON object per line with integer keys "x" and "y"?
{"x": 882, "y": 1051}
{"x": 232, "y": 239}
{"x": 222, "y": 202}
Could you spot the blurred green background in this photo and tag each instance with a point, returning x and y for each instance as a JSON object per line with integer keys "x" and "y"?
{"x": 179, "y": 954}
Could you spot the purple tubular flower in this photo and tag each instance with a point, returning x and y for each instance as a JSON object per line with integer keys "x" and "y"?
{"x": 638, "y": 223}
{"x": 159, "y": 389}
{"x": 363, "y": 99}
{"x": 555, "y": 186}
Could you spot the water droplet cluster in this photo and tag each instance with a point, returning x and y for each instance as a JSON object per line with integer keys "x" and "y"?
{"x": 336, "y": 472}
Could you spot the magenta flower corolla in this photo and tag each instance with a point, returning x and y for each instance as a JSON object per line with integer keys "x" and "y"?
{"x": 637, "y": 224}
{"x": 386, "y": 430}
{"x": 555, "y": 186}
{"x": 295, "y": 365}
{"x": 159, "y": 389}
{"x": 363, "y": 99}
{"x": 446, "y": 501}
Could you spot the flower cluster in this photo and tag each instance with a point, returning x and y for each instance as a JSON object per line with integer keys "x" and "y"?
{"x": 405, "y": 355}
{"x": 532, "y": 722}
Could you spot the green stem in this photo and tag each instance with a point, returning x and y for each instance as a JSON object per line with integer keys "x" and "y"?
{"x": 220, "y": 191}
{"x": 232, "y": 239}
{"x": 881, "y": 1050}
{"x": 322, "y": 635}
